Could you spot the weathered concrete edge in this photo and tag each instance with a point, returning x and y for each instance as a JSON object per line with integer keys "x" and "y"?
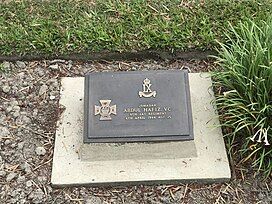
{"x": 167, "y": 150}
{"x": 148, "y": 183}
{"x": 112, "y": 56}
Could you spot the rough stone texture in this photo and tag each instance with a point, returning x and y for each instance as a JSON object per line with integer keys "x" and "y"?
{"x": 211, "y": 164}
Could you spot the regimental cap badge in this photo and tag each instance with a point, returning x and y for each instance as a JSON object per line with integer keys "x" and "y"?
{"x": 147, "y": 92}
{"x": 105, "y": 110}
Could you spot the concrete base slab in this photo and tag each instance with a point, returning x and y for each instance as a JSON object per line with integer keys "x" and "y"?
{"x": 203, "y": 160}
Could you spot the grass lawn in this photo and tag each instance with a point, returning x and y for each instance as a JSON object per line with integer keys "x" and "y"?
{"x": 63, "y": 27}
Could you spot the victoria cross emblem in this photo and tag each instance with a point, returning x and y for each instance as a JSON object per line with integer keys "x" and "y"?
{"x": 147, "y": 93}
{"x": 105, "y": 110}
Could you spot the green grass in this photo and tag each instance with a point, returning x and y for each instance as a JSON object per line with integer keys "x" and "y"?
{"x": 245, "y": 93}
{"x": 63, "y": 27}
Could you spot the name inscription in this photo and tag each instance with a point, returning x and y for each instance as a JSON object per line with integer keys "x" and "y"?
{"x": 148, "y": 112}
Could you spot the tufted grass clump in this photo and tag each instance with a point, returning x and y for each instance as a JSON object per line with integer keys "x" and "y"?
{"x": 244, "y": 93}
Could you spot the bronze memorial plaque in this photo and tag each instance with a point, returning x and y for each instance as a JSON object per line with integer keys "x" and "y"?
{"x": 137, "y": 106}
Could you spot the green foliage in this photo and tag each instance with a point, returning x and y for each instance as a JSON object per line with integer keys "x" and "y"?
{"x": 66, "y": 26}
{"x": 245, "y": 92}
{"x": 1, "y": 67}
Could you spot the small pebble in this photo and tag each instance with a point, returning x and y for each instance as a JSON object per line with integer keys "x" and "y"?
{"x": 21, "y": 179}
{"x": 21, "y": 64}
{"x": 13, "y": 145}
{"x": 54, "y": 66}
{"x": 16, "y": 108}
{"x": 35, "y": 112}
{"x": 29, "y": 183}
{"x": 11, "y": 176}
{"x": 43, "y": 89}
{"x": 40, "y": 151}
{"x": 94, "y": 200}
{"x": 52, "y": 97}
{"x": 20, "y": 145}
{"x": 21, "y": 74}
{"x": 8, "y": 109}
{"x": 4, "y": 132}
{"x": 2, "y": 173}
{"x": 6, "y": 89}
{"x": 7, "y": 142}
{"x": 25, "y": 83}
{"x": 26, "y": 167}
{"x": 16, "y": 114}
{"x": 14, "y": 103}
{"x": 40, "y": 73}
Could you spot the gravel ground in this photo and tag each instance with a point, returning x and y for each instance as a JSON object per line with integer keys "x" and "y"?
{"x": 29, "y": 94}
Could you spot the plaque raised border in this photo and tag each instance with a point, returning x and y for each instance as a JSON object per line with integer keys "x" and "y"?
{"x": 101, "y": 114}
